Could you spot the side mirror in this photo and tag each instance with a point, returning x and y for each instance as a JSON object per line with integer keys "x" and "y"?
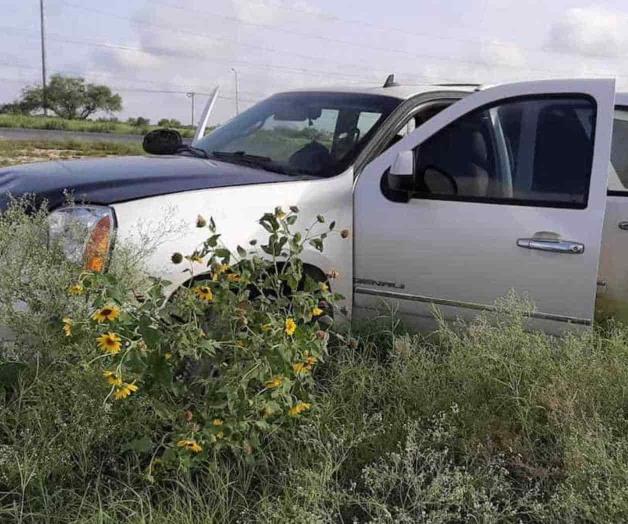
{"x": 398, "y": 182}
{"x": 162, "y": 142}
{"x": 403, "y": 164}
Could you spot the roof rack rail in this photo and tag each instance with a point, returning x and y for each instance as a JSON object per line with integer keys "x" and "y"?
{"x": 460, "y": 84}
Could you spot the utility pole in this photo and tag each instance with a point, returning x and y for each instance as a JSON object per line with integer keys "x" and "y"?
{"x": 43, "y": 58}
{"x": 192, "y": 95}
{"x": 237, "y": 90}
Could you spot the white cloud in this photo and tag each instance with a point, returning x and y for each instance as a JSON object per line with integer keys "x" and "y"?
{"x": 505, "y": 54}
{"x": 593, "y": 31}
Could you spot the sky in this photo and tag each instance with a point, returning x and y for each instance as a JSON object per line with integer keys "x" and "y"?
{"x": 141, "y": 48}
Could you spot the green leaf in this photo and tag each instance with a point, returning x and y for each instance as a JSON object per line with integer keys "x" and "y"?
{"x": 317, "y": 243}
{"x": 150, "y": 334}
{"x": 212, "y": 241}
{"x": 140, "y": 445}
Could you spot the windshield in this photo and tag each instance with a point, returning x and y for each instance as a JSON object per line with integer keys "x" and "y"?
{"x": 318, "y": 134}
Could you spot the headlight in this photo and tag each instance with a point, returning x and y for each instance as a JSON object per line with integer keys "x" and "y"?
{"x": 84, "y": 233}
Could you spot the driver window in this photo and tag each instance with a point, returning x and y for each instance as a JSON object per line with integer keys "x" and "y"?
{"x": 529, "y": 152}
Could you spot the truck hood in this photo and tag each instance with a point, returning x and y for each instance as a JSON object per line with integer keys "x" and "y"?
{"x": 111, "y": 180}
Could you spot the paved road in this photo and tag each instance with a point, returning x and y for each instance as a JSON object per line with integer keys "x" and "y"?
{"x": 49, "y": 134}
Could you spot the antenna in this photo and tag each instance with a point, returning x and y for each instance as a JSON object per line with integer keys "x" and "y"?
{"x": 390, "y": 81}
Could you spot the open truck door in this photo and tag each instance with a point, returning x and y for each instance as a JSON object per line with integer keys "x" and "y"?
{"x": 503, "y": 190}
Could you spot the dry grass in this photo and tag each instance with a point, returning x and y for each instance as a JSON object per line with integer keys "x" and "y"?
{"x": 23, "y": 152}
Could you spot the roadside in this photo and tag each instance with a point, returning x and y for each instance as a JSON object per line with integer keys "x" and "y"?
{"x": 25, "y": 151}
{"x": 19, "y": 134}
{"x": 10, "y": 121}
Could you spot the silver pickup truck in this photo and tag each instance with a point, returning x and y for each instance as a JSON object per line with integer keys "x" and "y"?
{"x": 454, "y": 194}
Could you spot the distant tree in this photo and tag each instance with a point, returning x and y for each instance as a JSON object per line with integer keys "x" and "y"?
{"x": 140, "y": 121}
{"x": 169, "y": 122}
{"x": 70, "y": 97}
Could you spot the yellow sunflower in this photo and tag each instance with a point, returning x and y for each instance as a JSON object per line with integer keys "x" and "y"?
{"x": 299, "y": 408}
{"x": 124, "y": 390}
{"x": 112, "y": 378}
{"x": 233, "y": 277}
{"x": 217, "y": 422}
{"x": 109, "y": 342}
{"x": 300, "y": 367}
{"x": 204, "y": 293}
{"x": 76, "y": 289}
{"x": 67, "y": 326}
{"x": 317, "y": 312}
{"x": 290, "y": 327}
{"x": 106, "y": 314}
{"x": 190, "y": 445}
{"x": 274, "y": 382}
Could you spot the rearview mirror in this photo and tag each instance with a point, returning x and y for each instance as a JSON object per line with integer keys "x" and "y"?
{"x": 162, "y": 142}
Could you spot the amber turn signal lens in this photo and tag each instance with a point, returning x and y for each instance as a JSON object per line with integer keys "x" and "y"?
{"x": 97, "y": 249}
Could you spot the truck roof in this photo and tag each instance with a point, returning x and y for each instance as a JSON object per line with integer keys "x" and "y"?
{"x": 621, "y": 99}
{"x": 406, "y": 91}
{"x": 402, "y": 92}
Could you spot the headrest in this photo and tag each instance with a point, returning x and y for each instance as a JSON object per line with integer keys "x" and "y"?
{"x": 479, "y": 151}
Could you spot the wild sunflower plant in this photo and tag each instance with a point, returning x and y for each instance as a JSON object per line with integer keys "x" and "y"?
{"x": 228, "y": 360}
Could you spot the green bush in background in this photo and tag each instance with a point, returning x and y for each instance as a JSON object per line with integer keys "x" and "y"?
{"x": 93, "y": 126}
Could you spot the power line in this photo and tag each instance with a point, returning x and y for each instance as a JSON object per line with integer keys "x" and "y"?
{"x": 182, "y": 88}
{"x": 160, "y": 52}
{"x": 288, "y": 31}
{"x": 169, "y": 28}
{"x": 390, "y": 29}
{"x": 133, "y": 89}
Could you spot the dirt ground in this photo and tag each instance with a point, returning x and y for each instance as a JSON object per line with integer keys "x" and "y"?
{"x": 12, "y": 153}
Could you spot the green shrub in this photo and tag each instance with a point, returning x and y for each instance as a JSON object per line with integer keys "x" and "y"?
{"x": 246, "y": 372}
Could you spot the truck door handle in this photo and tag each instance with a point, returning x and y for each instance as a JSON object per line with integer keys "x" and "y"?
{"x": 553, "y": 246}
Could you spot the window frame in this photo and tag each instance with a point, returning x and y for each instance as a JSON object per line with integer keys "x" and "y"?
{"x": 515, "y": 201}
{"x": 618, "y": 192}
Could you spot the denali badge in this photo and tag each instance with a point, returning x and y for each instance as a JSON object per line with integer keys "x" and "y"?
{"x": 378, "y": 283}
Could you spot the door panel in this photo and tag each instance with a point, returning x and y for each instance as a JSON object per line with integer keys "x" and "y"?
{"x": 529, "y": 165}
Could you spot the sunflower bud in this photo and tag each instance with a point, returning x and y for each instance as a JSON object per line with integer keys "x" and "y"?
{"x": 176, "y": 258}
{"x": 200, "y": 221}
{"x": 321, "y": 335}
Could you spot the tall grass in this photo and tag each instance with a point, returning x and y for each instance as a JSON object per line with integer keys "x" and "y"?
{"x": 92, "y": 126}
{"x": 484, "y": 422}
